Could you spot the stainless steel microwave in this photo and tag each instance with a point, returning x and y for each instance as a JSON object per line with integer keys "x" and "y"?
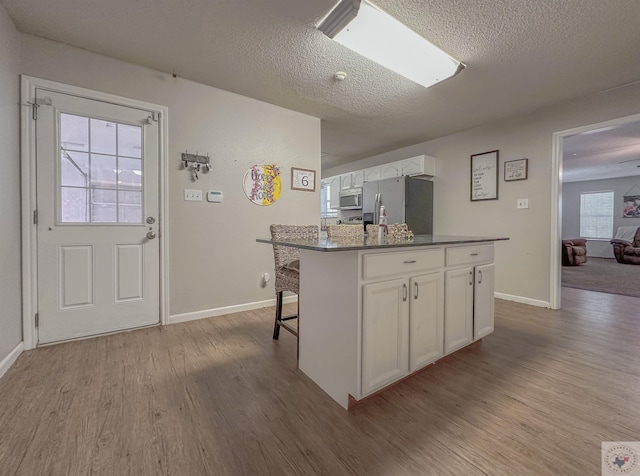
{"x": 351, "y": 199}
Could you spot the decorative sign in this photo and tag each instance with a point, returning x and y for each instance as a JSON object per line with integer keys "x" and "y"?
{"x": 484, "y": 176}
{"x": 516, "y": 170}
{"x": 262, "y": 184}
{"x": 631, "y": 206}
{"x": 303, "y": 179}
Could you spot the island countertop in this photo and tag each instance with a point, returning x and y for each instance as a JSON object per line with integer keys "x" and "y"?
{"x": 325, "y": 244}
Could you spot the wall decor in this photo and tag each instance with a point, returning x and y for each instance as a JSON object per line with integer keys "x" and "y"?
{"x": 631, "y": 207}
{"x": 484, "y": 176}
{"x": 262, "y": 184}
{"x": 516, "y": 170}
{"x": 303, "y": 179}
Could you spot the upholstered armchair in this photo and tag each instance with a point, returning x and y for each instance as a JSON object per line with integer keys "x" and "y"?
{"x": 627, "y": 251}
{"x": 574, "y": 252}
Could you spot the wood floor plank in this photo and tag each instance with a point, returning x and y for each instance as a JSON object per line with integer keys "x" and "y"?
{"x": 219, "y": 397}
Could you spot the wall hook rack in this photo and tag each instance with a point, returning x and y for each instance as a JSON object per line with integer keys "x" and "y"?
{"x": 195, "y": 163}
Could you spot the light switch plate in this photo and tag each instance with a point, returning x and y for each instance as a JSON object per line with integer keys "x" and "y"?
{"x": 522, "y": 203}
{"x": 192, "y": 195}
{"x": 214, "y": 196}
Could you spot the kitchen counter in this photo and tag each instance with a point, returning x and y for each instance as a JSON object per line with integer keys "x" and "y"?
{"x": 369, "y": 243}
{"x": 373, "y": 313}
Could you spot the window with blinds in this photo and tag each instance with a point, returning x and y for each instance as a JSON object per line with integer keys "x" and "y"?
{"x": 325, "y": 206}
{"x": 596, "y": 215}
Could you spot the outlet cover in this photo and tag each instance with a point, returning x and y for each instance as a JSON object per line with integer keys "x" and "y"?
{"x": 192, "y": 195}
{"x": 522, "y": 203}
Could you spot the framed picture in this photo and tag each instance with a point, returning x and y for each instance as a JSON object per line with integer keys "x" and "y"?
{"x": 484, "y": 176}
{"x": 516, "y": 170}
{"x": 303, "y": 179}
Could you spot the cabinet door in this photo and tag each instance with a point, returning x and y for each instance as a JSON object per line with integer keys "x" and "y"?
{"x": 334, "y": 198}
{"x": 426, "y": 319}
{"x": 385, "y": 328}
{"x": 371, "y": 174}
{"x": 483, "y": 310}
{"x": 389, "y": 170}
{"x": 458, "y": 309}
{"x": 357, "y": 179}
{"x": 413, "y": 166}
{"x": 345, "y": 182}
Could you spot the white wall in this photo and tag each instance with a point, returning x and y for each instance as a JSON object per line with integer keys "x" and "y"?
{"x": 523, "y": 263}
{"x": 10, "y": 274}
{"x": 571, "y": 209}
{"x": 214, "y": 259}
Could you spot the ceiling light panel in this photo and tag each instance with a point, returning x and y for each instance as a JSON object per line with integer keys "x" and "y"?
{"x": 367, "y": 30}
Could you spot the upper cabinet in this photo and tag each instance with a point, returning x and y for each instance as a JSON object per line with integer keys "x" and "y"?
{"x": 371, "y": 174}
{"x": 419, "y": 165}
{"x": 352, "y": 180}
{"x": 334, "y": 190}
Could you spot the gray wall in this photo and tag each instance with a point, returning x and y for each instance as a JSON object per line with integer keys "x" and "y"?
{"x": 10, "y": 275}
{"x": 523, "y": 264}
{"x": 214, "y": 259}
{"x": 571, "y": 209}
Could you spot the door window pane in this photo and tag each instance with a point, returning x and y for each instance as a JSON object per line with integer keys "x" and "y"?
{"x": 103, "y": 136}
{"x": 104, "y": 185}
{"x": 103, "y": 206}
{"x": 74, "y": 168}
{"x": 74, "y": 132}
{"x": 130, "y": 207}
{"x": 130, "y": 174}
{"x": 74, "y": 205}
{"x": 129, "y": 140}
{"x": 103, "y": 171}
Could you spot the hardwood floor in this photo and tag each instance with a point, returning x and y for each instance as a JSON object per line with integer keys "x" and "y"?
{"x": 219, "y": 397}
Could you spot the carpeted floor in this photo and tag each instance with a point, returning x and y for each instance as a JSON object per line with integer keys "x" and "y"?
{"x": 603, "y": 275}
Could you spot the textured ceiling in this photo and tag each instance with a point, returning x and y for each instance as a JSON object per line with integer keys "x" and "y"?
{"x": 520, "y": 55}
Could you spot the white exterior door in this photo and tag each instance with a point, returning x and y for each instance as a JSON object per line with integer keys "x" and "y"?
{"x": 97, "y": 202}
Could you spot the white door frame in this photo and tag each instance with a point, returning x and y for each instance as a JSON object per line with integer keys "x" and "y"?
{"x": 556, "y": 199}
{"x": 28, "y": 85}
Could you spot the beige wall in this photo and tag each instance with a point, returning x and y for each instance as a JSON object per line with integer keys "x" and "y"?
{"x": 10, "y": 280}
{"x": 523, "y": 263}
{"x": 214, "y": 259}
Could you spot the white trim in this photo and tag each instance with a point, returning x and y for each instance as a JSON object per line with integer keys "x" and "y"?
{"x": 220, "y": 311}
{"x": 9, "y": 360}
{"x": 556, "y": 200}
{"x": 522, "y": 299}
{"x": 28, "y": 85}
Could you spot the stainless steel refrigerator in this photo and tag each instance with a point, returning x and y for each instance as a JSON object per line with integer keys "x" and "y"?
{"x": 406, "y": 199}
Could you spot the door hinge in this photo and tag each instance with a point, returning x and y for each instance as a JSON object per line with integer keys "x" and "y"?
{"x": 35, "y": 217}
{"x": 37, "y": 320}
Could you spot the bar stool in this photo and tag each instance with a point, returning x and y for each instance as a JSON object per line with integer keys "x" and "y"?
{"x": 287, "y": 268}
{"x": 345, "y": 232}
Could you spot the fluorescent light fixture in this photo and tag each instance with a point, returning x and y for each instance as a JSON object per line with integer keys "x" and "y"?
{"x": 367, "y": 30}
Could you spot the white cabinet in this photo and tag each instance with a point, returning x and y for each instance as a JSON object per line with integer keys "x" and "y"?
{"x": 371, "y": 174}
{"x": 389, "y": 170}
{"x": 426, "y": 319}
{"x": 402, "y": 317}
{"x": 334, "y": 191}
{"x": 416, "y": 166}
{"x": 352, "y": 180}
{"x": 469, "y": 295}
{"x": 385, "y": 325}
{"x": 483, "y": 302}
{"x": 458, "y": 304}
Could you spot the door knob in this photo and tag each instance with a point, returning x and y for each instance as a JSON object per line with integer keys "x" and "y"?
{"x": 151, "y": 235}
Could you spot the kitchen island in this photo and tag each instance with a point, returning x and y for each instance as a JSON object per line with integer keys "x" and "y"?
{"x": 374, "y": 312}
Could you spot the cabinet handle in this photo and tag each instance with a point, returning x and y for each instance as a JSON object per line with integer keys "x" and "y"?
{"x": 404, "y": 292}
{"x": 415, "y": 296}
{"x": 479, "y": 276}
{"x": 470, "y": 278}
{"x": 410, "y": 261}
{"x": 474, "y": 254}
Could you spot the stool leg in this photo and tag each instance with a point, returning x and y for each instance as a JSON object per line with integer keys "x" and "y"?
{"x": 276, "y": 326}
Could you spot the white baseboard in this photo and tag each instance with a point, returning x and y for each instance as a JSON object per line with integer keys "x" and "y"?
{"x": 8, "y": 361}
{"x": 220, "y": 311}
{"x": 523, "y": 300}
